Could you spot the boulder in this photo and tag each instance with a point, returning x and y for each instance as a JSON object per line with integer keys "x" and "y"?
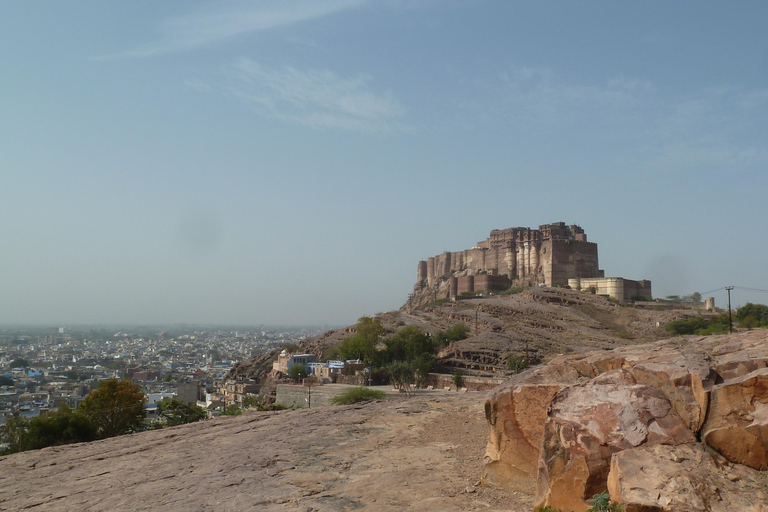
{"x": 737, "y": 424}
{"x": 683, "y": 478}
{"x": 515, "y": 412}
{"x": 588, "y": 423}
{"x": 515, "y": 432}
{"x": 683, "y": 376}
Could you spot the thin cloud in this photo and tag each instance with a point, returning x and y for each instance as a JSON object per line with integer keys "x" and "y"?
{"x": 318, "y": 99}
{"x": 710, "y": 129}
{"x": 214, "y": 24}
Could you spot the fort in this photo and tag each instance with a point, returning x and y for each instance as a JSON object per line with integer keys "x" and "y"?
{"x": 553, "y": 255}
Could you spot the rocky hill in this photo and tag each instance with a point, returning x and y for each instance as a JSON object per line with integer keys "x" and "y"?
{"x": 538, "y": 322}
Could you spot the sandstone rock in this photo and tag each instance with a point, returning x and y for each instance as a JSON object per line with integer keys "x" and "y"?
{"x": 737, "y": 424}
{"x": 588, "y": 423}
{"x": 684, "y": 377}
{"x": 738, "y": 356}
{"x": 515, "y": 432}
{"x": 685, "y": 478}
{"x": 515, "y": 413}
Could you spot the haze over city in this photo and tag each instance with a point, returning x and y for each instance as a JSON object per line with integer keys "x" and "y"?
{"x": 290, "y": 162}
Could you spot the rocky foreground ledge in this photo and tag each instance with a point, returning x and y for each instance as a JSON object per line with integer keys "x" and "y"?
{"x": 676, "y": 425}
{"x": 406, "y": 453}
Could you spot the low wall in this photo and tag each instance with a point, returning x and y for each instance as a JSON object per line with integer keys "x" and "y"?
{"x": 444, "y": 380}
{"x": 297, "y": 395}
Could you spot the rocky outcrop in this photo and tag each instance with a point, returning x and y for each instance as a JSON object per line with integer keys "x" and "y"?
{"x": 586, "y": 414}
{"x": 512, "y": 456}
{"x": 586, "y": 424}
{"x": 738, "y": 424}
{"x": 686, "y": 477}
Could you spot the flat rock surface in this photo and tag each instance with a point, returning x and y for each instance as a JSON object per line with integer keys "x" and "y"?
{"x": 417, "y": 453}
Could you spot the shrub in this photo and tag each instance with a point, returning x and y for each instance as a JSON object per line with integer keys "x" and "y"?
{"x": 602, "y": 503}
{"x": 359, "y": 394}
{"x": 698, "y": 325}
{"x": 458, "y": 379}
{"x": 297, "y": 372}
{"x": 516, "y": 364}
{"x": 455, "y": 333}
{"x": 757, "y": 311}
{"x": 512, "y": 290}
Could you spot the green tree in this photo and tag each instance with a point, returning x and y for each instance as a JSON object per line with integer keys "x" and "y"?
{"x": 115, "y": 408}
{"x": 5, "y": 381}
{"x": 456, "y": 333}
{"x": 422, "y": 365}
{"x": 12, "y": 434}
{"x": 297, "y": 372}
{"x": 363, "y": 344}
{"x": 758, "y": 311}
{"x": 175, "y": 412}
{"x": 516, "y": 364}
{"x": 232, "y": 410}
{"x": 409, "y": 344}
{"x": 63, "y": 426}
{"x": 458, "y": 379}
{"x": 19, "y": 363}
{"x": 400, "y": 374}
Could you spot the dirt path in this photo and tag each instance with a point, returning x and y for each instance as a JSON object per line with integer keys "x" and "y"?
{"x": 417, "y": 453}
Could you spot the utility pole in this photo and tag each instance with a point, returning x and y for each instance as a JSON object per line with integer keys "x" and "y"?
{"x": 476, "y": 331}
{"x": 730, "y": 317}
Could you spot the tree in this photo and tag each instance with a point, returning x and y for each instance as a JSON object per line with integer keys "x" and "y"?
{"x": 19, "y": 363}
{"x": 758, "y": 311}
{"x": 400, "y": 375}
{"x": 63, "y": 426}
{"x": 115, "y": 408}
{"x": 232, "y": 410}
{"x": 5, "y": 381}
{"x": 516, "y": 364}
{"x": 297, "y": 372}
{"x": 177, "y": 412}
{"x": 458, "y": 379}
{"x": 12, "y": 434}
{"x": 363, "y": 344}
{"x": 409, "y": 344}
{"x": 422, "y": 365}
{"x": 456, "y": 333}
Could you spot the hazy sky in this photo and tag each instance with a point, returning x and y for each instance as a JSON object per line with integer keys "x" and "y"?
{"x": 291, "y": 161}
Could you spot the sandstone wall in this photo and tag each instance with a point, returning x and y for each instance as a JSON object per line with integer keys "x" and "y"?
{"x": 617, "y": 288}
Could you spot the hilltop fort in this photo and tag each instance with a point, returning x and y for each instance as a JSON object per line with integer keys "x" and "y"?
{"x": 554, "y": 255}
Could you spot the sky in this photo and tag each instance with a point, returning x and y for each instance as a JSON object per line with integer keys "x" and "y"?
{"x": 290, "y": 162}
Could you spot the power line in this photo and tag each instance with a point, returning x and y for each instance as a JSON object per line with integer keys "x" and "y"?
{"x": 751, "y": 289}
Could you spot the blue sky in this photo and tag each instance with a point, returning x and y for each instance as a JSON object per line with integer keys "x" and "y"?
{"x": 291, "y": 161}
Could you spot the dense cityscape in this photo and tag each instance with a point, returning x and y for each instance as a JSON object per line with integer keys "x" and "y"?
{"x": 44, "y": 368}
